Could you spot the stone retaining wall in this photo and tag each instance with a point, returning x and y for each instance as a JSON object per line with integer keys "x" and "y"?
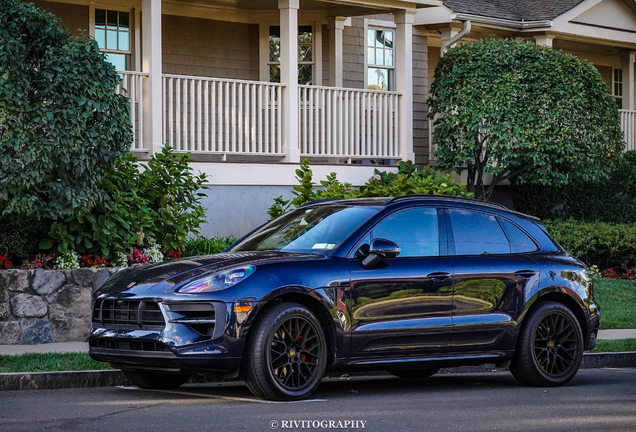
{"x": 40, "y": 306}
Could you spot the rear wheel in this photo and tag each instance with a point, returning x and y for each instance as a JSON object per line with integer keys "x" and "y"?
{"x": 550, "y": 347}
{"x": 414, "y": 374}
{"x": 286, "y": 355}
{"x": 153, "y": 380}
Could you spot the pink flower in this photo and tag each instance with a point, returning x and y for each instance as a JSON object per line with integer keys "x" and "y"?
{"x": 377, "y": 176}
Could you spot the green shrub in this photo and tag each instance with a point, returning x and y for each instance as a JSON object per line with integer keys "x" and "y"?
{"x": 19, "y": 237}
{"x": 207, "y": 246}
{"x": 610, "y": 200}
{"x": 408, "y": 180}
{"x": 161, "y": 201}
{"x": 597, "y": 243}
{"x": 516, "y": 109}
{"x": 62, "y": 123}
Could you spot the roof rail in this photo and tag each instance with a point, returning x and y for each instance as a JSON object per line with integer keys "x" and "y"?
{"x": 447, "y": 197}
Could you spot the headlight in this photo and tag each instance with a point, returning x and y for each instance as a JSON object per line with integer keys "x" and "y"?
{"x": 218, "y": 281}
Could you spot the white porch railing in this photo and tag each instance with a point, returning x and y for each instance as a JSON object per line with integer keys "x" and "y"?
{"x": 355, "y": 124}
{"x": 222, "y": 116}
{"x": 628, "y": 125}
{"x": 132, "y": 86}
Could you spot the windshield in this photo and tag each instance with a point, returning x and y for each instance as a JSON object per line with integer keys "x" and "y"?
{"x": 308, "y": 230}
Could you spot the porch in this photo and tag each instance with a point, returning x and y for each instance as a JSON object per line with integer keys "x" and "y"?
{"x": 292, "y": 105}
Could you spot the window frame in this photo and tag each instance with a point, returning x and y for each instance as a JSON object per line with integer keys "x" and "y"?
{"x": 367, "y": 65}
{"x": 133, "y": 17}
{"x": 441, "y": 232}
{"x": 616, "y": 83}
{"x": 312, "y": 63}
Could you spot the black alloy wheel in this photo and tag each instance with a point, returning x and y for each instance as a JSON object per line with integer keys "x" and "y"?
{"x": 286, "y": 353}
{"x": 550, "y": 347}
{"x": 295, "y": 353}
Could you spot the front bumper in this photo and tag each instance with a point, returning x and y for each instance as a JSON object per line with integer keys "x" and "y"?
{"x": 182, "y": 345}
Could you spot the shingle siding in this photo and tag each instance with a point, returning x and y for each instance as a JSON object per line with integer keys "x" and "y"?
{"x": 353, "y": 54}
{"x": 73, "y": 16}
{"x": 202, "y": 47}
{"x": 420, "y": 94}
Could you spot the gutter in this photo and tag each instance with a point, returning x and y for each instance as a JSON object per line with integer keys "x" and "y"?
{"x": 452, "y": 41}
{"x": 523, "y": 24}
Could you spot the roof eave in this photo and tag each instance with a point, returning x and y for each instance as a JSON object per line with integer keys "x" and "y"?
{"x": 521, "y": 25}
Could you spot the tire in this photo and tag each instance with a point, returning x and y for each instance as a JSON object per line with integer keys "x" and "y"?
{"x": 153, "y": 380}
{"x": 550, "y": 347}
{"x": 277, "y": 364}
{"x": 414, "y": 374}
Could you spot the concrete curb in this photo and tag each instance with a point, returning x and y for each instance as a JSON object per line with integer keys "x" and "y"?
{"x": 107, "y": 378}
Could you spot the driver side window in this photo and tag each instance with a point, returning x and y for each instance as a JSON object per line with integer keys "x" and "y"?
{"x": 414, "y": 230}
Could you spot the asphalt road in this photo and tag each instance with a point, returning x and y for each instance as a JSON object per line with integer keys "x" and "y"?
{"x": 597, "y": 399}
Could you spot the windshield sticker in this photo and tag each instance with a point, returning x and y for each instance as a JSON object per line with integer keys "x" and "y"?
{"x": 320, "y": 246}
{"x": 330, "y": 246}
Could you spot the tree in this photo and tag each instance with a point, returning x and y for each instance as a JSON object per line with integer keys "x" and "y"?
{"x": 517, "y": 110}
{"x": 62, "y": 123}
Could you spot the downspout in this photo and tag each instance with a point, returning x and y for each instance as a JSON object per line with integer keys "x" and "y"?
{"x": 446, "y": 45}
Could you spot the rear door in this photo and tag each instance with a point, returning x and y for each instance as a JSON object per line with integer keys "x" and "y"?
{"x": 491, "y": 271}
{"x": 403, "y": 305}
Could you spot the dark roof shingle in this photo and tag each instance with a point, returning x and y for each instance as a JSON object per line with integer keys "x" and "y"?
{"x": 516, "y": 10}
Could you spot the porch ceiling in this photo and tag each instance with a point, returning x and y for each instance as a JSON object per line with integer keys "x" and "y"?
{"x": 328, "y": 7}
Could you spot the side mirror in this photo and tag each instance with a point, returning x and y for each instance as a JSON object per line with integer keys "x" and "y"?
{"x": 379, "y": 250}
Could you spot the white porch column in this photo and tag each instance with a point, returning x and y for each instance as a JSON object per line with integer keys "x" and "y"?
{"x": 404, "y": 80}
{"x": 289, "y": 77}
{"x": 628, "y": 58}
{"x": 336, "y": 25}
{"x": 544, "y": 40}
{"x": 151, "y": 63}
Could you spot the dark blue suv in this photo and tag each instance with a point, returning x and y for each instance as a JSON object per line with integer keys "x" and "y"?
{"x": 406, "y": 285}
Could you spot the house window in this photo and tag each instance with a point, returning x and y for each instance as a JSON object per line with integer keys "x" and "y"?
{"x": 380, "y": 63}
{"x": 617, "y": 87}
{"x": 112, "y": 32}
{"x": 305, "y": 54}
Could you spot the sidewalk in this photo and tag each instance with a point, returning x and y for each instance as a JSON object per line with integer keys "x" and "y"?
{"x": 83, "y": 346}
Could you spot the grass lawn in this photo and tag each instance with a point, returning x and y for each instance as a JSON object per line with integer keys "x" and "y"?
{"x": 49, "y": 362}
{"x": 614, "y": 345}
{"x": 617, "y": 299}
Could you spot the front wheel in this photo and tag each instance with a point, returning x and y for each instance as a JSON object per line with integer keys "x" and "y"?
{"x": 550, "y": 347}
{"x": 286, "y": 355}
{"x": 153, "y": 380}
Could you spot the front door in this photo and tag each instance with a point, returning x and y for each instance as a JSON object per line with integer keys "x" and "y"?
{"x": 403, "y": 305}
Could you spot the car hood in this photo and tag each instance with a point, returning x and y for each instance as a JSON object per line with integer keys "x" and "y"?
{"x": 170, "y": 275}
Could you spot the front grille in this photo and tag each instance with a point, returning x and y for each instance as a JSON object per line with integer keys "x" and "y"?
{"x": 127, "y": 345}
{"x": 128, "y": 314}
{"x": 200, "y": 317}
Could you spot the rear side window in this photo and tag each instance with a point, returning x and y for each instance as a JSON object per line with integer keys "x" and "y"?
{"x": 477, "y": 233}
{"x": 519, "y": 241}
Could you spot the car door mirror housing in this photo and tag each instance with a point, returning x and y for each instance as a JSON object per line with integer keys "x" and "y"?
{"x": 380, "y": 250}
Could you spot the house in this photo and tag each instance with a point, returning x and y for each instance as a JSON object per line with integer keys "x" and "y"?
{"x": 602, "y": 32}
{"x": 252, "y": 87}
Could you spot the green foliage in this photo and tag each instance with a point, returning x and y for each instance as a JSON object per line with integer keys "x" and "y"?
{"x": 62, "y": 124}
{"x": 19, "y": 237}
{"x": 611, "y": 200}
{"x": 408, "y": 180}
{"x": 597, "y": 243}
{"x": 518, "y": 110}
{"x": 207, "y": 246}
{"x": 49, "y": 362}
{"x": 614, "y": 345}
{"x": 114, "y": 224}
{"x": 171, "y": 190}
{"x": 162, "y": 202}
{"x": 617, "y": 299}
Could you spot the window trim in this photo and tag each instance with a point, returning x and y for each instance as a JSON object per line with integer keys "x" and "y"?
{"x": 376, "y": 25}
{"x": 313, "y": 61}
{"x": 134, "y": 35}
{"x": 441, "y": 232}
{"x": 620, "y": 83}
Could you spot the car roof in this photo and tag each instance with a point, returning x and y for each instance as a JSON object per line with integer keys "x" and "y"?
{"x": 429, "y": 199}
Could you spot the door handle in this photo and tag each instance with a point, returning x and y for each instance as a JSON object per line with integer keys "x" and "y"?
{"x": 438, "y": 276}
{"x": 525, "y": 274}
